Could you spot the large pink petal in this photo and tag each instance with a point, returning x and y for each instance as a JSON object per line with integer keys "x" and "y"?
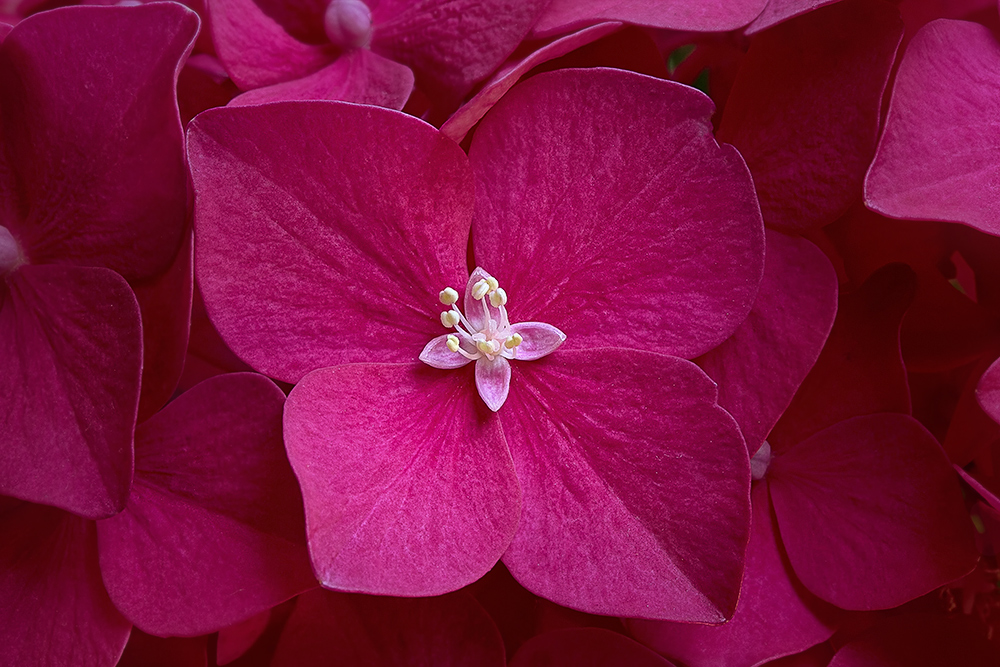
{"x": 92, "y": 132}
{"x": 213, "y": 532}
{"x": 366, "y": 631}
{"x": 804, "y": 110}
{"x": 944, "y": 107}
{"x": 605, "y": 208}
{"x": 325, "y": 232}
{"x": 71, "y": 359}
{"x": 470, "y": 113}
{"x": 920, "y": 640}
{"x": 55, "y": 610}
{"x": 871, "y": 513}
{"x": 761, "y": 366}
{"x": 702, "y": 16}
{"x": 360, "y": 76}
{"x": 782, "y": 10}
{"x": 636, "y": 486}
{"x": 585, "y": 647}
{"x": 860, "y": 370}
{"x": 451, "y": 44}
{"x": 408, "y": 485}
{"x": 775, "y": 616}
{"x": 257, "y": 50}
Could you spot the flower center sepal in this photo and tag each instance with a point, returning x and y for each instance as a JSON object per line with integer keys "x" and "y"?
{"x": 484, "y": 334}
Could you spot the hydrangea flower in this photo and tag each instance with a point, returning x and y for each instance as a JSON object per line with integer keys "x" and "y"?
{"x": 617, "y": 230}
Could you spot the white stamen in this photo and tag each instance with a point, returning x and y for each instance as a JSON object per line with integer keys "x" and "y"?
{"x": 452, "y": 342}
{"x": 513, "y": 341}
{"x": 480, "y": 289}
{"x": 492, "y": 282}
{"x": 448, "y": 296}
{"x": 498, "y": 297}
{"x": 449, "y": 318}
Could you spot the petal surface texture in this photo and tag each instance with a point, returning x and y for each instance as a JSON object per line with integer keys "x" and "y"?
{"x": 804, "y": 109}
{"x": 760, "y": 367}
{"x": 775, "y": 617}
{"x": 636, "y": 486}
{"x": 359, "y": 76}
{"x": 55, "y": 611}
{"x": 674, "y": 14}
{"x": 451, "y": 44}
{"x": 944, "y": 107}
{"x": 408, "y": 485}
{"x": 71, "y": 360}
{"x": 309, "y": 257}
{"x": 894, "y": 525}
{"x": 329, "y": 628}
{"x": 605, "y": 208}
{"x": 91, "y": 130}
{"x": 213, "y": 532}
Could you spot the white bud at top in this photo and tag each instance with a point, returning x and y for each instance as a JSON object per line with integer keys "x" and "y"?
{"x": 452, "y": 342}
{"x": 480, "y": 289}
{"x": 498, "y": 297}
{"x": 449, "y": 318}
{"x": 513, "y": 341}
{"x": 448, "y": 296}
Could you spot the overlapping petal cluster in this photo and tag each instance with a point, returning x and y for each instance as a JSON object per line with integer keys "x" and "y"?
{"x": 439, "y": 332}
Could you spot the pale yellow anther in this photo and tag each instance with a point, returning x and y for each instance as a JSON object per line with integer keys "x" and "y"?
{"x": 485, "y": 347}
{"x": 452, "y": 342}
{"x": 449, "y": 318}
{"x": 480, "y": 289}
{"x": 492, "y": 282}
{"x": 513, "y": 341}
{"x": 498, "y": 297}
{"x": 448, "y": 296}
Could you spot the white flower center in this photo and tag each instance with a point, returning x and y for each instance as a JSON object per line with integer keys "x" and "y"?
{"x": 494, "y": 338}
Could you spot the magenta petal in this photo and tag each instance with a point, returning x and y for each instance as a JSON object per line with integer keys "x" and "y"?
{"x": 702, "y": 16}
{"x": 319, "y": 240}
{"x": 470, "y": 113}
{"x": 493, "y": 381}
{"x": 451, "y": 44}
{"x": 894, "y": 525}
{"x": 71, "y": 362}
{"x": 782, "y": 10}
{"x": 213, "y": 532}
{"x": 804, "y": 110}
{"x": 237, "y": 639}
{"x": 353, "y": 630}
{"x": 165, "y": 304}
{"x": 920, "y": 640}
{"x": 408, "y": 485}
{"x": 540, "y": 339}
{"x": 944, "y": 109}
{"x": 256, "y": 49}
{"x": 91, "y": 129}
{"x": 585, "y": 647}
{"x": 360, "y": 76}
{"x": 573, "y": 168}
{"x": 761, "y": 366}
{"x": 775, "y": 615}
{"x": 636, "y": 486}
{"x": 860, "y": 370}
{"x": 55, "y": 610}
{"x": 437, "y": 354}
